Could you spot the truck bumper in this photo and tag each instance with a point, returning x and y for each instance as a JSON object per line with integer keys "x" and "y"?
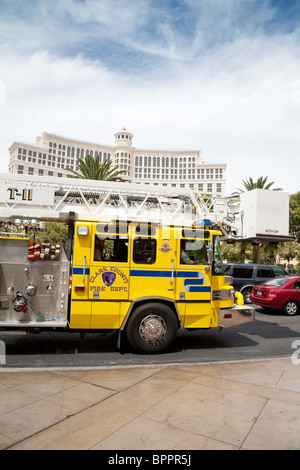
{"x": 236, "y": 315}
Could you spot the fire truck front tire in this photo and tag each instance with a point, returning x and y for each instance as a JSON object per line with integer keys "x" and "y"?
{"x": 152, "y": 328}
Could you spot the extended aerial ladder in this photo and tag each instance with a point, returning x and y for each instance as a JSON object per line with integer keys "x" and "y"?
{"x": 255, "y": 216}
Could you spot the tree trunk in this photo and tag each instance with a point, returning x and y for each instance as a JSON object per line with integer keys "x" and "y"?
{"x": 256, "y": 253}
{"x": 243, "y": 255}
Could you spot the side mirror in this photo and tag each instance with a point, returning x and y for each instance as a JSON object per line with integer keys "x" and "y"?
{"x": 210, "y": 254}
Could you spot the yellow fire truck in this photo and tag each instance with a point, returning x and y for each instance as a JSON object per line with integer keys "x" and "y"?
{"x": 137, "y": 260}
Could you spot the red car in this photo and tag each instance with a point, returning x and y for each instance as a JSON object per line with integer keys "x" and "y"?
{"x": 282, "y": 293}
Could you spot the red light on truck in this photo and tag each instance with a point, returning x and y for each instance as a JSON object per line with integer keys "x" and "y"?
{"x": 227, "y": 316}
{"x": 79, "y": 288}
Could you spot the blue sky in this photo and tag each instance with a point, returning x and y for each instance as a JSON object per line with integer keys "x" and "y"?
{"x": 218, "y": 75}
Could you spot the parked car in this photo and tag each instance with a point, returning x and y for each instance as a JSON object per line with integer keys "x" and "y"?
{"x": 246, "y": 276}
{"x": 281, "y": 293}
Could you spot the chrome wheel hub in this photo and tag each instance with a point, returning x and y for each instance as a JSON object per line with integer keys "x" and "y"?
{"x": 153, "y": 328}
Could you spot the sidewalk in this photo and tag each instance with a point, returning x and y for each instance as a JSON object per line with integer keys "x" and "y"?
{"x": 241, "y": 405}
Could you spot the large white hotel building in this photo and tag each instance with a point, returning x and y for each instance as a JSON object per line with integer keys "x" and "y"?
{"x": 51, "y": 154}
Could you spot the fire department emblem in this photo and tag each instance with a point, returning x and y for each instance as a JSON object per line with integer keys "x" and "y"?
{"x": 108, "y": 278}
{"x": 165, "y": 247}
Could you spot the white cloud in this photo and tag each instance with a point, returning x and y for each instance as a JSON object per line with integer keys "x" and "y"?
{"x": 235, "y": 100}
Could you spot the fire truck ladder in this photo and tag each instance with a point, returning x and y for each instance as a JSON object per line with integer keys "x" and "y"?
{"x": 36, "y": 197}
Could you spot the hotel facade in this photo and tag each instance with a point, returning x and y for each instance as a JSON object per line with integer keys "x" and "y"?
{"x": 51, "y": 154}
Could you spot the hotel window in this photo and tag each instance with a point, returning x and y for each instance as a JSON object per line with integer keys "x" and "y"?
{"x": 30, "y": 170}
{"x": 41, "y": 172}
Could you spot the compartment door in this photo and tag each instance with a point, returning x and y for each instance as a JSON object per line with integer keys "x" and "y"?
{"x": 80, "y": 304}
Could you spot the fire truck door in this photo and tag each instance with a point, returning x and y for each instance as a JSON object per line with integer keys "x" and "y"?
{"x": 109, "y": 278}
{"x": 193, "y": 287}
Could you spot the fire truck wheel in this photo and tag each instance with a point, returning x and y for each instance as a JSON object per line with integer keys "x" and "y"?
{"x": 152, "y": 328}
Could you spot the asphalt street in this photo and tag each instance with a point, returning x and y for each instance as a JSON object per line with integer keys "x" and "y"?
{"x": 271, "y": 335}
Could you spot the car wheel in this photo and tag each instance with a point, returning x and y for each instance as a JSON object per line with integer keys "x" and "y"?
{"x": 291, "y": 308}
{"x": 152, "y": 328}
{"x": 247, "y": 295}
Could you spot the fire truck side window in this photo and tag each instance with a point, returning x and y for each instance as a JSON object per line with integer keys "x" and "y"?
{"x": 111, "y": 249}
{"x": 193, "y": 252}
{"x": 144, "y": 250}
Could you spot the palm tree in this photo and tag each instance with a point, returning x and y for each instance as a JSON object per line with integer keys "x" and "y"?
{"x": 92, "y": 169}
{"x": 249, "y": 184}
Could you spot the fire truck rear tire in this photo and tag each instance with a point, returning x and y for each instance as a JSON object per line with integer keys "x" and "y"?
{"x": 152, "y": 328}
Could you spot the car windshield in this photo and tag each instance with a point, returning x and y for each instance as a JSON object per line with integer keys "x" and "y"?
{"x": 277, "y": 282}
